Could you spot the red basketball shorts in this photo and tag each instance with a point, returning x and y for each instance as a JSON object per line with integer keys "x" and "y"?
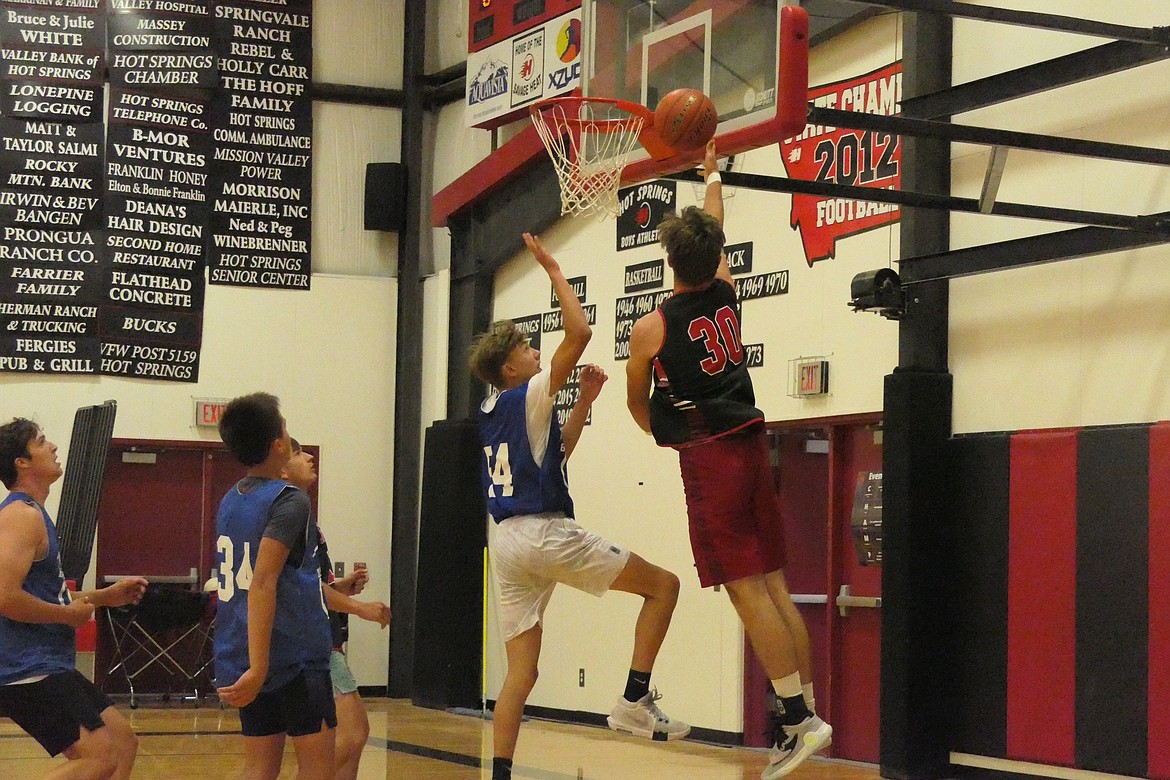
{"x": 735, "y": 524}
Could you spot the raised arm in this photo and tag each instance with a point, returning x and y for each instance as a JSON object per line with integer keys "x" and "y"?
{"x": 645, "y": 341}
{"x": 592, "y": 379}
{"x": 577, "y": 330}
{"x": 713, "y": 200}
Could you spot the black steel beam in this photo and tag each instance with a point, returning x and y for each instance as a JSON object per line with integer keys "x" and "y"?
{"x": 362, "y": 96}
{"x": 989, "y": 136}
{"x": 1154, "y": 223}
{"x": 1033, "y": 79}
{"x": 1069, "y": 24}
{"x": 1022, "y": 252}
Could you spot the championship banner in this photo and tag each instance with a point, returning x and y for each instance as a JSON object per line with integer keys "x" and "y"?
{"x": 865, "y": 158}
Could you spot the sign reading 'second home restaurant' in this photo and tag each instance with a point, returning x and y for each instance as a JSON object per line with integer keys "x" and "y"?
{"x": 261, "y": 175}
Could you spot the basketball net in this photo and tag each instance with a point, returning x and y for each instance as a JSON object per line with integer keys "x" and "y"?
{"x": 589, "y": 140}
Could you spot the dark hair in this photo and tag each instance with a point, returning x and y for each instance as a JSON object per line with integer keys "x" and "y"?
{"x": 296, "y": 445}
{"x": 14, "y": 439}
{"x": 491, "y": 350}
{"x": 248, "y": 426}
{"x": 693, "y": 242}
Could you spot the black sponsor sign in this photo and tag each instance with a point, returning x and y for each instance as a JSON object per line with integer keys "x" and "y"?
{"x": 164, "y": 327}
{"x": 54, "y": 283}
{"x": 154, "y": 289}
{"x": 762, "y": 285}
{"x": 50, "y": 25}
{"x": 261, "y": 189}
{"x": 644, "y": 276}
{"x": 739, "y": 258}
{"x": 40, "y": 155}
{"x": 48, "y": 320}
{"x": 25, "y": 62}
{"x": 530, "y": 327}
{"x": 578, "y": 285}
{"x": 153, "y": 30}
{"x": 642, "y": 207}
{"x": 169, "y": 70}
{"x": 866, "y": 519}
{"x": 48, "y": 353}
{"x": 61, "y": 102}
{"x": 157, "y": 219}
{"x": 629, "y": 310}
{"x": 555, "y": 320}
{"x": 160, "y": 163}
{"x": 150, "y": 361}
{"x": 754, "y": 353}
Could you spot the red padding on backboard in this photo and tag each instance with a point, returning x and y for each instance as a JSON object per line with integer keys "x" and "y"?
{"x": 1158, "y": 693}
{"x": 1042, "y": 582}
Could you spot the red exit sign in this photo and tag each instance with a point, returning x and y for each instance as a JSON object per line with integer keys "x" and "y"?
{"x": 207, "y": 412}
{"x": 812, "y": 377}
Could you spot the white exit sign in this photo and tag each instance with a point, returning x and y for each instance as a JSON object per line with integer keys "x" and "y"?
{"x": 812, "y": 377}
{"x": 208, "y": 410}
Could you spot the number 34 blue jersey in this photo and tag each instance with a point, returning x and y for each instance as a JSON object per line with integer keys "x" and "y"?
{"x": 514, "y": 483}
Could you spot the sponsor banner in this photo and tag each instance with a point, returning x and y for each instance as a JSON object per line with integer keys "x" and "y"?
{"x": 55, "y": 284}
{"x": 642, "y": 207}
{"x": 866, "y": 158}
{"x": 26, "y": 62}
{"x": 66, "y": 25}
{"x": 150, "y": 361}
{"x": 47, "y": 320}
{"x": 555, "y": 319}
{"x": 58, "y": 102}
{"x": 507, "y": 77}
{"x": 762, "y": 285}
{"x": 51, "y": 353}
{"x": 261, "y": 185}
{"x": 577, "y": 283}
{"x": 163, "y": 69}
{"x": 739, "y": 258}
{"x": 166, "y": 327}
{"x": 628, "y": 310}
{"x": 153, "y": 29}
{"x": 644, "y": 276}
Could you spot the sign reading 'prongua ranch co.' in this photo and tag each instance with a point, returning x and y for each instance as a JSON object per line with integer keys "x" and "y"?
{"x": 865, "y": 158}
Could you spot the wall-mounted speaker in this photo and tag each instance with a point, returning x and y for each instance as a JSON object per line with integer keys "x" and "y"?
{"x": 385, "y": 204}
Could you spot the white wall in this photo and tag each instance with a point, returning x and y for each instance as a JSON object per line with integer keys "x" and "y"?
{"x": 1080, "y": 342}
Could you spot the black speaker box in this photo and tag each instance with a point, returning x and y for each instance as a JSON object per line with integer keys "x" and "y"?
{"x": 385, "y": 204}
{"x": 448, "y": 627}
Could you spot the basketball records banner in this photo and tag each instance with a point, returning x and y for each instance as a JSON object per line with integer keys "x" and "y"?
{"x": 866, "y": 158}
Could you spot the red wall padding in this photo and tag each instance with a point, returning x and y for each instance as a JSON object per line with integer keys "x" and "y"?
{"x": 1042, "y": 559}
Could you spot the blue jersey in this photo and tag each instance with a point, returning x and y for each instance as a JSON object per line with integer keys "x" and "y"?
{"x": 36, "y": 649}
{"x": 514, "y": 483}
{"x": 300, "y": 628}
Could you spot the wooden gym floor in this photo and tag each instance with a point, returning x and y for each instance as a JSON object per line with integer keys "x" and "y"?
{"x": 410, "y": 742}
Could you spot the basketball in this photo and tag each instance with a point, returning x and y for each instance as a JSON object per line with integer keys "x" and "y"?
{"x": 685, "y": 119}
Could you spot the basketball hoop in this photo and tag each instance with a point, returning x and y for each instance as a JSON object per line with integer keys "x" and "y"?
{"x": 589, "y": 140}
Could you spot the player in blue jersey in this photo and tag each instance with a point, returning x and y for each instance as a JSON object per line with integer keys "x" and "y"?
{"x": 353, "y": 725}
{"x": 40, "y": 687}
{"x": 687, "y": 383}
{"x": 537, "y": 542}
{"x": 272, "y": 639}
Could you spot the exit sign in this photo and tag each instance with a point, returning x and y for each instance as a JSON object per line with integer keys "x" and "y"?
{"x": 207, "y": 411}
{"x": 812, "y": 377}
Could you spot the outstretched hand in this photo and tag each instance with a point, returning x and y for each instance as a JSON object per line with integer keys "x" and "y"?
{"x": 547, "y": 262}
{"x": 710, "y": 160}
{"x": 123, "y": 592}
{"x": 592, "y": 379}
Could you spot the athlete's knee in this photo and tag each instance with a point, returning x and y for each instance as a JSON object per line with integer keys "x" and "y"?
{"x": 668, "y": 585}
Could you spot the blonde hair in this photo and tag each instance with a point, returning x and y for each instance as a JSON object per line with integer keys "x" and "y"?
{"x": 491, "y": 350}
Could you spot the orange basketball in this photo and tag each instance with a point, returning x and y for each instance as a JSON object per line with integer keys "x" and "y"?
{"x": 685, "y": 119}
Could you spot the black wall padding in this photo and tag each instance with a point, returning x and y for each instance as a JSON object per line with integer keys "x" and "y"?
{"x": 917, "y": 679}
{"x": 385, "y": 201}
{"x": 978, "y": 490}
{"x": 81, "y": 492}
{"x": 1112, "y": 601}
{"x": 448, "y": 628}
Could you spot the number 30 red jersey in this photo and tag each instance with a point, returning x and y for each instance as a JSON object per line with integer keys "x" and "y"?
{"x": 701, "y": 385}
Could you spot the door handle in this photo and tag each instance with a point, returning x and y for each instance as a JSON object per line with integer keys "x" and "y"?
{"x": 810, "y": 598}
{"x": 845, "y": 601}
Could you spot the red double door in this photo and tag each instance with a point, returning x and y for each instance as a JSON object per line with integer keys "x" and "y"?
{"x": 828, "y": 475}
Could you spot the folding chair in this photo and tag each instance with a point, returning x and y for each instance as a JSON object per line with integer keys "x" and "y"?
{"x": 172, "y": 627}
